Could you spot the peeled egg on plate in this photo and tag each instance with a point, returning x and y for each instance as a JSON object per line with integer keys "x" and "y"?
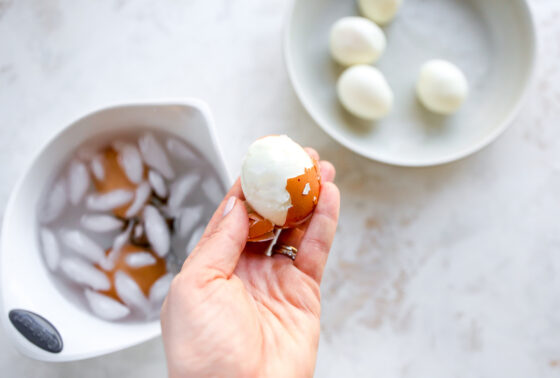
{"x": 442, "y": 87}
{"x": 364, "y": 92}
{"x": 281, "y": 183}
{"x": 356, "y": 40}
{"x": 380, "y": 11}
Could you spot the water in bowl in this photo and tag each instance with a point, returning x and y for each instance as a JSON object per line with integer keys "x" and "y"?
{"x": 120, "y": 217}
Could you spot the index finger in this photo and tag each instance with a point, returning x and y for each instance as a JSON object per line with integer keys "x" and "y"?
{"x": 234, "y": 191}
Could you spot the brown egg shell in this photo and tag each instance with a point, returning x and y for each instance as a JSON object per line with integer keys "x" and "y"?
{"x": 304, "y": 193}
{"x": 259, "y": 227}
{"x": 115, "y": 178}
{"x": 144, "y": 276}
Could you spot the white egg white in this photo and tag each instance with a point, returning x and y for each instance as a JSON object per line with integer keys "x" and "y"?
{"x": 442, "y": 87}
{"x": 364, "y": 92}
{"x": 356, "y": 40}
{"x": 380, "y": 11}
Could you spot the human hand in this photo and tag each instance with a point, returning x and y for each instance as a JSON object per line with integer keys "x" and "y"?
{"x": 233, "y": 311}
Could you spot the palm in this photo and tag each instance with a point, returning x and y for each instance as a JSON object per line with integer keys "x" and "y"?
{"x": 274, "y": 304}
{"x": 286, "y": 305}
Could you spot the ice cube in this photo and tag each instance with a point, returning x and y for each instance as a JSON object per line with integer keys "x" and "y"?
{"x": 78, "y": 181}
{"x": 195, "y": 238}
{"x": 154, "y": 155}
{"x": 108, "y": 263}
{"x": 159, "y": 289}
{"x": 213, "y": 189}
{"x": 181, "y": 151}
{"x": 188, "y": 218}
{"x": 180, "y": 189}
{"x": 170, "y": 212}
{"x": 157, "y": 183}
{"x": 131, "y": 162}
{"x": 84, "y": 273}
{"x": 97, "y": 168}
{"x": 109, "y": 201}
{"x": 156, "y": 230}
{"x": 54, "y": 203}
{"x": 105, "y": 307}
{"x": 130, "y": 293}
{"x": 51, "y": 249}
{"x": 101, "y": 222}
{"x": 140, "y": 259}
{"x": 138, "y": 231}
{"x": 142, "y": 194}
{"x": 82, "y": 244}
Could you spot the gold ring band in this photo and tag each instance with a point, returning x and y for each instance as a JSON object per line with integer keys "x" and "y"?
{"x": 286, "y": 250}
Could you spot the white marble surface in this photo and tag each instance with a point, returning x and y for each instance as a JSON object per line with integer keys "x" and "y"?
{"x": 451, "y": 271}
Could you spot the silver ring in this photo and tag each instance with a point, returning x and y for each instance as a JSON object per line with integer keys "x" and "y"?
{"x": 286, "y": 250}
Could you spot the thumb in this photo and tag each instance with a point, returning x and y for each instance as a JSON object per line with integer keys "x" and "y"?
{"x": 220, "y": 247}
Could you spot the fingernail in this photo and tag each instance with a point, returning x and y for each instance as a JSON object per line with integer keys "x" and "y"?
{"x": 229, "y": 206}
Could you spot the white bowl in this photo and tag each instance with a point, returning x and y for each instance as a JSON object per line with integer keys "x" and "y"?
{"x": 493, "y": 42}
{"x": 25, "y": 283}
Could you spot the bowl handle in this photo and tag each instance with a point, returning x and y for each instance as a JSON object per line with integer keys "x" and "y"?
{"x": 38, "y": 330}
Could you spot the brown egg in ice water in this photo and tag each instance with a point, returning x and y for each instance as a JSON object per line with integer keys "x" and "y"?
{"x": 114, "y": 178}
{"x": 145, "y": 276}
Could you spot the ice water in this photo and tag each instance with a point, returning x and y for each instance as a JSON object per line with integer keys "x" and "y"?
{"x": 120, "y": 217}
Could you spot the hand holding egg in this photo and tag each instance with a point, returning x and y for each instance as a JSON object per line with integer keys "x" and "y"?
{"x": 229, "y": 282}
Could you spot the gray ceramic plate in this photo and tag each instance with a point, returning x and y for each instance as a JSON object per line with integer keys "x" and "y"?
{"x": 492, "y": 41}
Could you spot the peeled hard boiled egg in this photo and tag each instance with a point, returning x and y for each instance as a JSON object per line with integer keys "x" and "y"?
{"x": 281, "y": 182}
{"x": 380, "y": 11}
{"x": 356, "y": 40}
{"x": 364, "y": 92}
{"x": 442, "y": 87}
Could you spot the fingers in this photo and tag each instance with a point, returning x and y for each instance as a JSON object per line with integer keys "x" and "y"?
{"x": 290, "y": 237}
{"x": 327, "y": 171}
{"x": 312, "y": 152}
{"x": 316, "y": 242}
{"x": 224, "y": 237}
{"x": 220, "y": 248}
{"x": 293, "y": 237}
{"x": 234, "y": 191}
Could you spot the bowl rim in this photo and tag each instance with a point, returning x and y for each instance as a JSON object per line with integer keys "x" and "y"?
{"x": 489, "y": 138}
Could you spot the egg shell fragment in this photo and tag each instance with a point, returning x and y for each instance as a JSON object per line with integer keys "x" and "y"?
{"x": 304, "y": 194}
{"x": 259, "y": 227}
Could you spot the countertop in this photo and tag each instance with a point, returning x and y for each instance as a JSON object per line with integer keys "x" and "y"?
{"x": 451, "y": 271}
